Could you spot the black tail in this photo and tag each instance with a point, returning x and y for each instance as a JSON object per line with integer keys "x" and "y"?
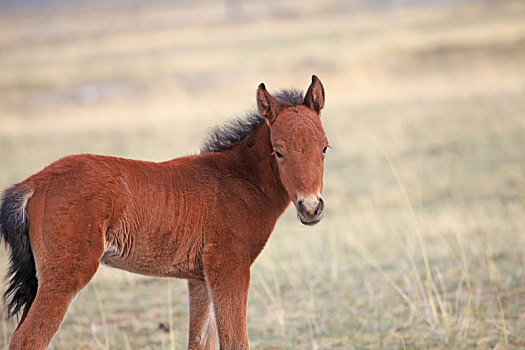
{"x": 14, "y": 229}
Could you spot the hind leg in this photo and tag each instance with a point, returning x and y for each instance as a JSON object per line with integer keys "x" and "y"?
{"x": 67, "y": 253}
{"x": 57, "y": 288}
{"x": 202, "y": 317}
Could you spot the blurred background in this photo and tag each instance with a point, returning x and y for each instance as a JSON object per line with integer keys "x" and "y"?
{"x": 423, "y": 240}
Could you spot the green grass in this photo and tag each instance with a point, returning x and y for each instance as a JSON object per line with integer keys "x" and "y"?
{"x": 422, "y": 245}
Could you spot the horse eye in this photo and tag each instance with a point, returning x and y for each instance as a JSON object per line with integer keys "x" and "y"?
{"x": 324, "y": 149}
{"x": 278, "y": 155}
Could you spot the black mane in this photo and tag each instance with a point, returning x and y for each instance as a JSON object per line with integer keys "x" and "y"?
{"x": 224, "y": 137}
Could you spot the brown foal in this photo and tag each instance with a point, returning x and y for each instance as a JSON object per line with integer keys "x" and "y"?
{"x": 204, "y": 218}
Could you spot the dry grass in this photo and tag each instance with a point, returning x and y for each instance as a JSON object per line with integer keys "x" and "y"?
{"x": 422, "y": 245}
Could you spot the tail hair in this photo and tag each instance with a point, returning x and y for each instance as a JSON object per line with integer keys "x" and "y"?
{"x": 14, "y": 230}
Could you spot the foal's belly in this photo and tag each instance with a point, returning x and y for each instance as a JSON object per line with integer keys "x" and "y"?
{"x": 170, "y": 258}
{"x": 180, "y": 270}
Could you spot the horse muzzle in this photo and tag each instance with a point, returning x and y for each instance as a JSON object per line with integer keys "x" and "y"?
{"x": 310, "y": 209}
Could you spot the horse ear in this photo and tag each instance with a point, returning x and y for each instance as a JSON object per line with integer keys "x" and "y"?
{"x": 314, "y": 98}
{"x": 267, "y": 105}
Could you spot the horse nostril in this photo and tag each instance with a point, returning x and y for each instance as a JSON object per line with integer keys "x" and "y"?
{"x": 320, "y": 207}
{"x": 300, "y": 206}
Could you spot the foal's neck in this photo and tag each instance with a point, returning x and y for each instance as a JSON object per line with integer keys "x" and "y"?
{"x": 254, "y": 161}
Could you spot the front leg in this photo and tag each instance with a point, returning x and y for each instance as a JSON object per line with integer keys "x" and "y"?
{"x": 202, "y": 317}
{"x": 228, "y": 278}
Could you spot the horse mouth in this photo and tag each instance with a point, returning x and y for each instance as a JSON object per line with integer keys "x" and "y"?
{"x": 309, "y": 222}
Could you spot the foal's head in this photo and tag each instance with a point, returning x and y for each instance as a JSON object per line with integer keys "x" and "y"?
{"x": 299, "y": 146}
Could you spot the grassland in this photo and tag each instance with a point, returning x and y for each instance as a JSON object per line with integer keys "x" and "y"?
{"x": 423, "y": 241}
